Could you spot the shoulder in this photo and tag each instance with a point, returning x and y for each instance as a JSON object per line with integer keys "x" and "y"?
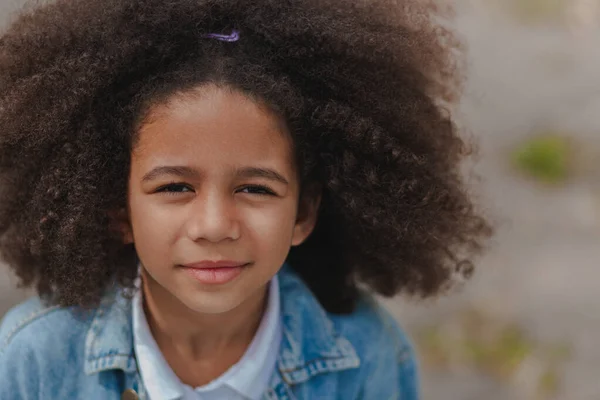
{"x": 20, "y": 320}
{"x": 371, "y": 322}
{"x": 35, "y": 337}
{"x": 35, "y": 324}
{"x": 372, "y": 354}
{"x": 387, "y": 358}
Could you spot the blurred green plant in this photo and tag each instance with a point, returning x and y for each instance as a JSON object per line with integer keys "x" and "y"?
{"x": 549, "y": 384}
{"x": 534, "y": 11}
{"x": 547, "y": 158}
{"x": 501, "y": 354}
{"x": 478, "y": 341}
{"x": 538, "y": 10}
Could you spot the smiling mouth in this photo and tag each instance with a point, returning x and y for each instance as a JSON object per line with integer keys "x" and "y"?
{"x": 215, "y": 272}
{"x": 208, "y": 264}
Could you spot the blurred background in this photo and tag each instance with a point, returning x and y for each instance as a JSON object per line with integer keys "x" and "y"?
{"x": 527, "y": 326}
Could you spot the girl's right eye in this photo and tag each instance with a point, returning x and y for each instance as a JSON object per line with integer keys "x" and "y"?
{"x": 174, "y": 188}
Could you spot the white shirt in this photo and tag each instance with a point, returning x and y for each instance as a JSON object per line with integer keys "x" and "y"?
{"x": 248, "y": 379}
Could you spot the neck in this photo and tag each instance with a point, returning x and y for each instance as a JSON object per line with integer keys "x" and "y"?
{"x": 183, "y": 331}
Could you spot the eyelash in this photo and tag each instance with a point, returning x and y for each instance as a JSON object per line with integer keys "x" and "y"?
{"x": 264, "y": 191}
{"x": 168, "y": 189}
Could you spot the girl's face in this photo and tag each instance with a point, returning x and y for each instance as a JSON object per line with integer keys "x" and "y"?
{"x": 213, "y": 179}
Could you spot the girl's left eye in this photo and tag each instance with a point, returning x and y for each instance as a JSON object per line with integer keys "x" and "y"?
{"x": 174, "y": 188}
{"x": 257, "y": 189}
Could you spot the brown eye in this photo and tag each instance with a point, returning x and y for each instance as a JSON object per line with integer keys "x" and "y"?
{"x": 174, "y": 188}
{"x": 257, "y": 189}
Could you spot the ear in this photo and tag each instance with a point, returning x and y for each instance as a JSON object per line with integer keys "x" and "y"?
{"x": 308, "y": 211}
{"x": 119, "y": 222}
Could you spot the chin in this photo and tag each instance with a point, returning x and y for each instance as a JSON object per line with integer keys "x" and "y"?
{"x": 211, "y": 305}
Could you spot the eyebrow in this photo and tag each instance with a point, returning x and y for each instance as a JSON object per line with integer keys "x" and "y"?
{"x": 170, "y": 170}
{"x": 267, "y": 173}
{"x": 188, "y": 172}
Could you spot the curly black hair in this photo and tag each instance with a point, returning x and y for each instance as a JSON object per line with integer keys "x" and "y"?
{"x": 366, "y": 88}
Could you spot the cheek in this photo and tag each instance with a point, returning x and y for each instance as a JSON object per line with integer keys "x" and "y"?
{"x": 151, "y": 225}
{"x": 273, "y": 227}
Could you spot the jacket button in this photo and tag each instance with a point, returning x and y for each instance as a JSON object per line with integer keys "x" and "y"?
{"x": 129, "y": 394}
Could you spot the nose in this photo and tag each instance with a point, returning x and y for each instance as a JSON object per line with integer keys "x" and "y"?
{"x": 212, "y": 218}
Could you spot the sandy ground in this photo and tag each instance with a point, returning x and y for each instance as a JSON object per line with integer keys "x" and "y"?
{"x": 541, "y": 272}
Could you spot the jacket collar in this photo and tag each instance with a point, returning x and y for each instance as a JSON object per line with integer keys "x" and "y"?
{"x": 310, "y": 344}
{"x": 109, "y": 340}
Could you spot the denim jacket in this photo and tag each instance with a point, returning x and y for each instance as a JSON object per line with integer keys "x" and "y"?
{"x": 48, "y": 352}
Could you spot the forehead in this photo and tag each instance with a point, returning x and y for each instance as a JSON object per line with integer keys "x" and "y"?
{"x": 213, "y": 126}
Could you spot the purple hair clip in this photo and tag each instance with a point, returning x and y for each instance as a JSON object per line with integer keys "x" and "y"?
{"x": 233, "y": 37}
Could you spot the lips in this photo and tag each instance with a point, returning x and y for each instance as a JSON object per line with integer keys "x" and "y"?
{"x": 215, "y": 264}
{"x": 214, "y": 272}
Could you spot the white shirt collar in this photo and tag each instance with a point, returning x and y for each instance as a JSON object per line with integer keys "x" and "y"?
{"x": 249, "y": 377}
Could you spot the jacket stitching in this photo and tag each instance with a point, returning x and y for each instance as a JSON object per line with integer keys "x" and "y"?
{"x": 24, "y": 322}
{"x": 314, "y": 360}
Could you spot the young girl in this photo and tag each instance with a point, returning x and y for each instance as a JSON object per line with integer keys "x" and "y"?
{"x": 203, "y": 192}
